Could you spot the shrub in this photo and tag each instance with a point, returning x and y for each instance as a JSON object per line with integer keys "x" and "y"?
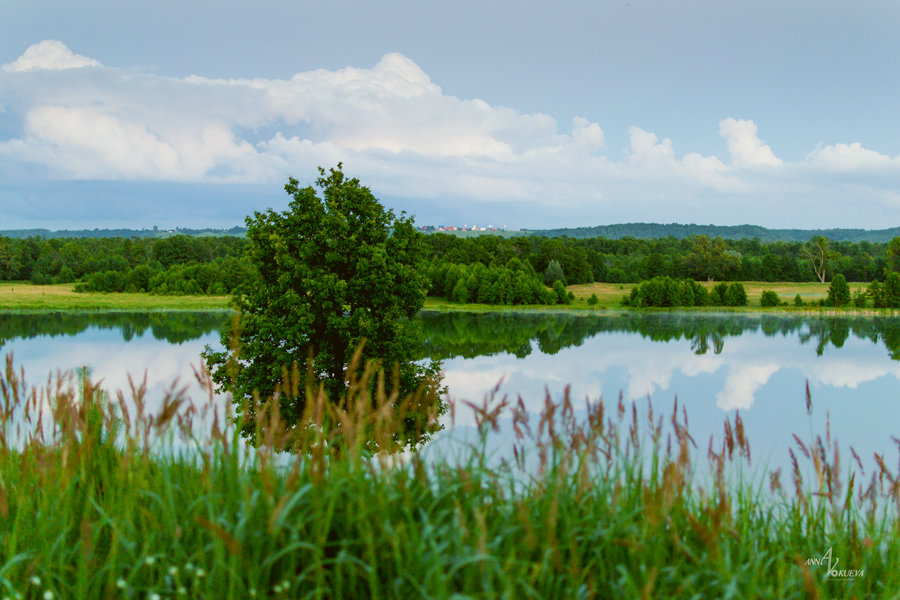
{"x": 560, "y": 290}
{"x": 735, "y": 295}
{"x": 798, "y": 300}
{"x": 593, "y": 300}
{"x": 769, "y": 298}
{"x": 838, "y": 291}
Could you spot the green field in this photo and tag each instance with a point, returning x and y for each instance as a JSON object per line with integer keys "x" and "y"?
{"x": 25, "y": 296}
{"x": 610, "y": 294}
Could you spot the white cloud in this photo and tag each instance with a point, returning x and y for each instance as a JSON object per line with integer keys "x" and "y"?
{"x": 401, "y": 134}
{"x": 742, "y": 384}
{"x": 745, "y": 147}
{"x": 849, "y": 157}
{"x": 50, "y": 55}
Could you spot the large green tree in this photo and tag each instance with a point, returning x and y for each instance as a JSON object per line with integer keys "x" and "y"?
{"x": 336, "y": 272}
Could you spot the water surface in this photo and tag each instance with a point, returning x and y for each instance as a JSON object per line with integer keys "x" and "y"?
{"x": 714, "y": 364}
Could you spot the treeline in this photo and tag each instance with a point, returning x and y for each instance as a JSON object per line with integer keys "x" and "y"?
{"x": 668, "y": 292}
{"x": 632, "y": 260}
{"x": 175, "y": 265}
{"x": 485, "y": 269}
{"x": 516, "y": 282}
{"x": 119, "y": 233}
{"x": 680, "y": 231}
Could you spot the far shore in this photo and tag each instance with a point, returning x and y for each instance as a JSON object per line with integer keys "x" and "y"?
{"x": 23, "y": 296}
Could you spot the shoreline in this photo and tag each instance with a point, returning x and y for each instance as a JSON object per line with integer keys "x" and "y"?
{"x": 23, "y": 297}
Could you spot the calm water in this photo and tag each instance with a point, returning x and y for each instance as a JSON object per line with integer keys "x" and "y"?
{"x": 714, "y": 365}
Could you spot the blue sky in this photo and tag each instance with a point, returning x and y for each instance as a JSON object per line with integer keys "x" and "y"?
{"x": 525, "y": 114}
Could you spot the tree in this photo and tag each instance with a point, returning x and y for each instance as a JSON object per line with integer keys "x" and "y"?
{"x": 838, "y": 291}
{"x": 818, "y": 254}
{"x": 560, "y": 290}
{"x": 336, "y": 273}
{"x": 554, "y": 272}
{"x": 892, "y": 255}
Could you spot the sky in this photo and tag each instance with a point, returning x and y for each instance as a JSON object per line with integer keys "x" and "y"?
{"x": 525, "y": 114}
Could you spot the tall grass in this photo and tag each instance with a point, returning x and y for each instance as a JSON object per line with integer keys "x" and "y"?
{"x": 597, "y": 502}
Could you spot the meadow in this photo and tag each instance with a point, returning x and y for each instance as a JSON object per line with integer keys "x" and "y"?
{"x": 107, "y": 498}
{"x": 26, "y": 296}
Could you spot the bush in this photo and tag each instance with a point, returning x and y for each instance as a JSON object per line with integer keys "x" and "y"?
{"x": 735, "y": 295}
{"x": 769, "y": 298}
{"x": 798, "y": 300}
{"x": 560, "y": 290}
{"x": 838, "y": 291}
{"x": 593, "y": 300}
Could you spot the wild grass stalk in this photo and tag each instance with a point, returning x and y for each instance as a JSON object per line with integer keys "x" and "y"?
{"x": 128, "y": 498}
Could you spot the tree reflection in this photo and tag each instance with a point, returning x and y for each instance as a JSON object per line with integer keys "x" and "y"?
{"x": 174, "y": 327}
{"x": 467, "y": 335}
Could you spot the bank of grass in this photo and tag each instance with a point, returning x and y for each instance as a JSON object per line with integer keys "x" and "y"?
{"x": 604, "y": 505}
{"x": 16, "y": 296}
{"x": 23, "y": 296}
{"x": 610, "y": 296}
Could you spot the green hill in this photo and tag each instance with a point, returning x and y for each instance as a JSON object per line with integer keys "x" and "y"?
{"x": 659, "y": 230}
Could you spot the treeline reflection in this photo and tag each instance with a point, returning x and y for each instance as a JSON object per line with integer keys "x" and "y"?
{"x": 468, "y": 335}
{"x": 173, "y": 327}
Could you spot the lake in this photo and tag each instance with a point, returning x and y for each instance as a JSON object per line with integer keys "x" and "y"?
{"x": 714, "y": 364}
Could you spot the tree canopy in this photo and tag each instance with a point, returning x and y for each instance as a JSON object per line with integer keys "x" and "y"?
{"x": 336, "y": 272}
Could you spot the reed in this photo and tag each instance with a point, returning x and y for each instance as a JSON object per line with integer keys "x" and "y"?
{"x": 129, "y": 497}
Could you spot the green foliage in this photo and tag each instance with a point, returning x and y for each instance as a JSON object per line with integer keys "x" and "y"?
{"x": 668, "y": 292}
{"x": 838, "y": 291}
{"x": 554, "y": 273}
{"x": 336, "y": 272}
{"x": 798, "y": 300}
{"x": 887, "y": 294}
{"x": 593, "y": 300}
{"x": 560, "y": 290}
{"x": 769, "y": 298}
{"x": 892, "y": 255}
{"x": 735, "y": 295}
{"x": 859, "y": 299}
{"x": 515, "y": 283}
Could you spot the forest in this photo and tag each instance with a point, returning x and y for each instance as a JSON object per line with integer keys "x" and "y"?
{"x": 485, "y": 269}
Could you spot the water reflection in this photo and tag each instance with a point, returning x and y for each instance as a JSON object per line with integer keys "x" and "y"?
{"x": 470, "y": 335}
{"x": 714, "y": 363}
{"x": 174, "y": 327}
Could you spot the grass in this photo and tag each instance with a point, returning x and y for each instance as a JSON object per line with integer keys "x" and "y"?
{"x": 27, "y": 297}
{"x": 614, "y": 505}
{"x": 24, "y": 296}
{"x": 610, "y": 296}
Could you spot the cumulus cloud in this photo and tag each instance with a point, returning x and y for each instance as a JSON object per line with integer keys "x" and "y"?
{"x": 850, "y": 157}
{"x": 745, "y": 147}
{"x": 397, "y": 130}
{"x": 49, "y": 55}
{"x": 742, "y": 384}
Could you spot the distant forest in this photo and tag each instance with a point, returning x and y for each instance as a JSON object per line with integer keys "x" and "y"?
{"x": 614, "y": 232}
{"x": 119, "y": 233}
{"x": 728, "y": 232}
{"x": 487, "y": 269}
